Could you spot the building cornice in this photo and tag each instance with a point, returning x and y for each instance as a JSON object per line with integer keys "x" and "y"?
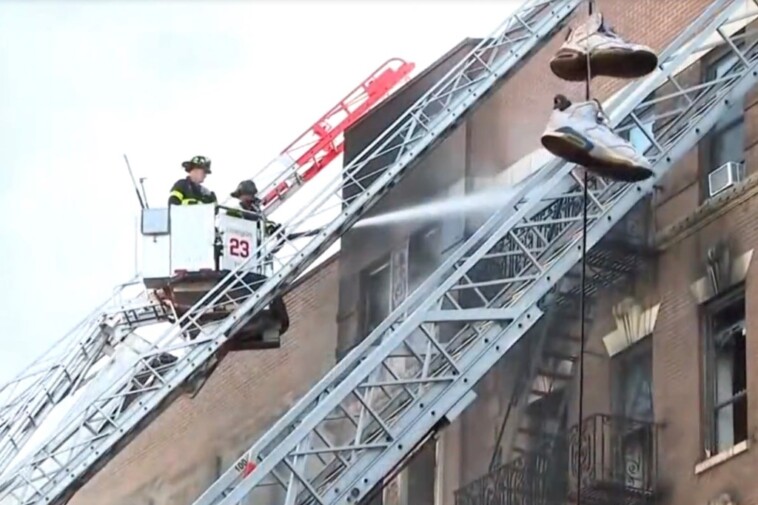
{"x": 707, "y": 213}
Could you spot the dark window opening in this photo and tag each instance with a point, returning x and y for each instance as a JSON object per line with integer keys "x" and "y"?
{"x": 423, "y": 258}
{"x": 376, "y": 297}
{"x": 632, "y": 404}
{"x": 633, "y": 378}
{"x": 726, "y": 374}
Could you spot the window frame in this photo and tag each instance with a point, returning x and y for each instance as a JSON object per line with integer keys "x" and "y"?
{"x": 736, "y": 120}
{"x": 620, "y": 365}
{"x": 428, "y": 235}
{"x": 710, "y": 311}
{"x": 384, "y": 263}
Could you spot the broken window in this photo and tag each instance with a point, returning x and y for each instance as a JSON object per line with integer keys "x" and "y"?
{"x": 376, "y": 297}
{"x": 725, "y": 374}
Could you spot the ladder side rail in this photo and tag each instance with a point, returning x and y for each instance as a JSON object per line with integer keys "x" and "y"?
{"x": 66, "y": 470}
{"x": 617, "y": 204}
{"x": 562, "y": 7}
{"x": 79, "y": 328}
{"x": 305, "y": 149}
{"x": 295, "y": 146}
{"x": 82, "y": 324}
{"x": 59, "y": 383}
{"x": 52, "y": 381}
{"x": 50, "y": 391}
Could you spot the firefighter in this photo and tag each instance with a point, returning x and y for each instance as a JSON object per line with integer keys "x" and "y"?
{"x": 247, "y": 195}
{"x": 190, "y": 190}
{"x": 250, "y": 209}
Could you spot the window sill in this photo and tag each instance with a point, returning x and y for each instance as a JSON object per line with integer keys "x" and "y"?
{"x": 721, "y": 457}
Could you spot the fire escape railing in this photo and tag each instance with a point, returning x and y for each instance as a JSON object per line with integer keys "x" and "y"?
{"x": 619, "y": 465}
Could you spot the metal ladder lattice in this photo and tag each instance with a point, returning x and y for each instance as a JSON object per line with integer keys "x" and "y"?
{"x": 72, "y": 454}
{"x": 44, "y": 385}
{"x": 343, "y": 464}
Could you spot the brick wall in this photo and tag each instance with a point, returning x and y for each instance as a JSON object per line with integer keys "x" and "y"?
{"x": 516, "y": 116}
{"x": 178, "y": 455}
{"x": 677, "y": 363}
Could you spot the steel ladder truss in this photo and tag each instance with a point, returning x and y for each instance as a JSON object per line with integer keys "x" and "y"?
{"x": 321, "y": 143}
{"x": 61, "y": 375}
{"x": 309, "y": 153}
{"x": 73, "y": 453}
{"x": 326, "y": 451}
{"x": 313, "y": 150}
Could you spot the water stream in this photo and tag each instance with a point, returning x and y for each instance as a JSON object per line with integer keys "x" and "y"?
{"x": 481, "y": 202}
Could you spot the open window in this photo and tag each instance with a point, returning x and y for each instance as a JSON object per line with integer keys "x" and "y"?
{"x": 725, "y": 384}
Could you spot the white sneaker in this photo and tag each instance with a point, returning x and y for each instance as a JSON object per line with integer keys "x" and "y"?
{"x": 610, "y": 55}
{"x": 579, "y": 134}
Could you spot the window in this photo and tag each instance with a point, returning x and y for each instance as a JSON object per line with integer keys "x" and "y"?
{"x": 726, "y": 140}
{"x": 633, "y": 398}
{"x": 633, "y": 406}
{"x": 640, "y": 138}
{"x": 376, "y": 297}
{"x": 725, "y": 374}
{"x": 423, "y": 257}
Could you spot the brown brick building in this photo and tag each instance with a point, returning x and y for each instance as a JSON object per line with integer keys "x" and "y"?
{"x": 666, "y": 362}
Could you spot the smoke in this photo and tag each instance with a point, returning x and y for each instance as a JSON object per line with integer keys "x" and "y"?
{"x": 477, "y": 203}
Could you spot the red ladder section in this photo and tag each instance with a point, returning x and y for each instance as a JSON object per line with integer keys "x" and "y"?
{"x": 320, "y": 144}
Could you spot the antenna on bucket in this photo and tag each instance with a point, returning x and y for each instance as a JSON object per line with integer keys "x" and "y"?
{"x": 142, "y": 200}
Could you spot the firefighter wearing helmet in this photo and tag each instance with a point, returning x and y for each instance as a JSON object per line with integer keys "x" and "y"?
{"x": 190, "y": 190}
{"x": 247, "y": 195}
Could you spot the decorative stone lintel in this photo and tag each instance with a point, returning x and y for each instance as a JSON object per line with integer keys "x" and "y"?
{"x": 722, "y": 272}
{"x": 633, "y": 323}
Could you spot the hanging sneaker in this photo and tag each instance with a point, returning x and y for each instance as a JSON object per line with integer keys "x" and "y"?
{"x": 579, "y": 134}
{"x": 610, "y": 55}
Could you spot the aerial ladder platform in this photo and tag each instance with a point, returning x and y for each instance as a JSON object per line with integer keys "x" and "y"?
{"x": 404, "y": 382}
{"x": 76, "y": 450}
{"x": 27, "y": 401}
{"x": 29, "y": 398}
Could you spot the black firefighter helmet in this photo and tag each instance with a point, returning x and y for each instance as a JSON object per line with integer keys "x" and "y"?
{"x": 245, "y": 188}
{"x": 198, "y": 162}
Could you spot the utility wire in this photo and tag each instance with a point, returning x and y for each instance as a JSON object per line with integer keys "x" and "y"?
{"x": 582, "y": 297}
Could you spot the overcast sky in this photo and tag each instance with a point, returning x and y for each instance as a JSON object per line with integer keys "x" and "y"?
{"x": 84, "y": 82}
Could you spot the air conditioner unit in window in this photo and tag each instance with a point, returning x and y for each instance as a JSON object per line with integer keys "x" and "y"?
{"x": 724, "y": 177}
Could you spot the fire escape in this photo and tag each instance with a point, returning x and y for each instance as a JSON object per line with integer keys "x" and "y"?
{"x": 615, "y": 462}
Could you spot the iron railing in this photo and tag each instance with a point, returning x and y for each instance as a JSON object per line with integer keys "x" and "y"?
{"x": 617, "y": 457}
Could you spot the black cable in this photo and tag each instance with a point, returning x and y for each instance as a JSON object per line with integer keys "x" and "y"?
{"x": 582, "y": 301}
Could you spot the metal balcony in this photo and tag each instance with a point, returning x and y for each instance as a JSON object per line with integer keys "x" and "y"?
{"x": 618, "y": 459}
